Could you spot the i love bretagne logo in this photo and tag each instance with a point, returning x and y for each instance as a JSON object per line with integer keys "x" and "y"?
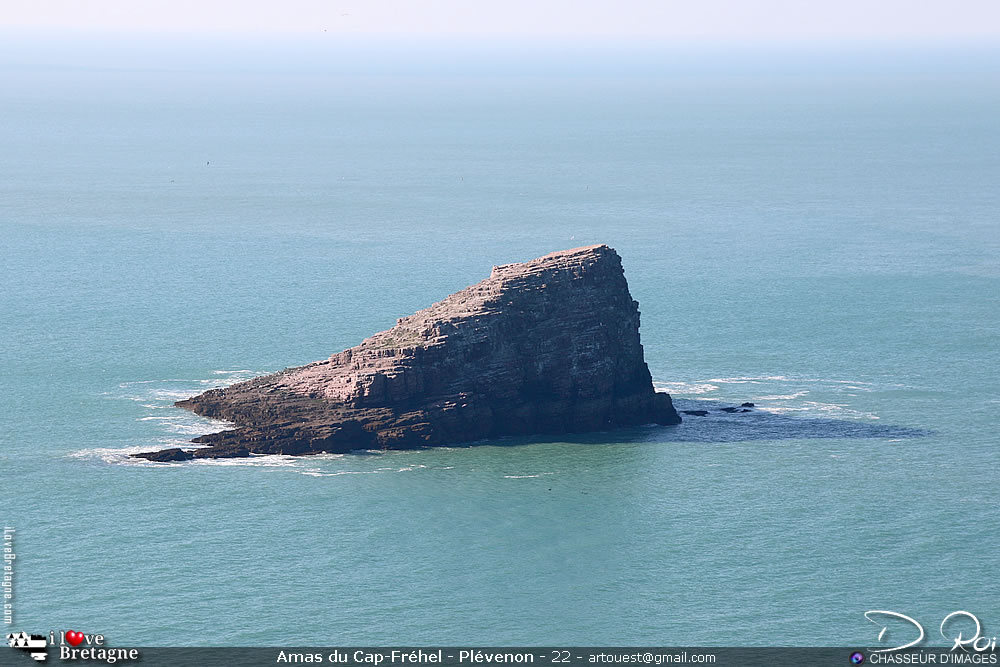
{"x": 72, "y": 645}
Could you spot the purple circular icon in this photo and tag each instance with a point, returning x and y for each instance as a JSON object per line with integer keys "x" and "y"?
{"x": 857, "y": 658}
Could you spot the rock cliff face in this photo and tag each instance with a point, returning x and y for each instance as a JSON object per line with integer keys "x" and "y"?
{"x": 549, "y": 346}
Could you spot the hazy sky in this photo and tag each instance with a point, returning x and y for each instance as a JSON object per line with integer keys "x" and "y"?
{"x": 742, "y": 20}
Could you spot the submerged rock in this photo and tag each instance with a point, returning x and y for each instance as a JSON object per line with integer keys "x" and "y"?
{"x": 696, "y": 413}
{"x": 166, "y": 455}
{"x": 549, "y": 346}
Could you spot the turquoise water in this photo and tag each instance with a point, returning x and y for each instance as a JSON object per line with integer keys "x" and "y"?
{"x": 819, "y": 238}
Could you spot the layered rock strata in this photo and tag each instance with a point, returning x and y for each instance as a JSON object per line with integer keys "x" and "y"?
{"x": 549, "y": 346}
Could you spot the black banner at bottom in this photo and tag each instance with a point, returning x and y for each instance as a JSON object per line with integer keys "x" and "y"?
{"x": 488, "y": 657}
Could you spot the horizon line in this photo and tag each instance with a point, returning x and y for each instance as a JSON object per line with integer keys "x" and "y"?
{"x": 972, "y": 40}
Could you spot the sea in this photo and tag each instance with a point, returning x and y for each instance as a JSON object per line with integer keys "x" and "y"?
{"x": 812, "y": 228}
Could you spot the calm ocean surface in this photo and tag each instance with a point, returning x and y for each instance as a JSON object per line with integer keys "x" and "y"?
{"x": 816, "y": 235}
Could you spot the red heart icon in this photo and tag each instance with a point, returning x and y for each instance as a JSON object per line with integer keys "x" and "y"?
{"x": 74, "y": 638}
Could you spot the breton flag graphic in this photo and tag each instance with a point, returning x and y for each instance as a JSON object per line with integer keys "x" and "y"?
{"x": 34, "y": 644}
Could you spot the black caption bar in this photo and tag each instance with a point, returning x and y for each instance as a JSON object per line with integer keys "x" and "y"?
{"x": 503, "y": 657}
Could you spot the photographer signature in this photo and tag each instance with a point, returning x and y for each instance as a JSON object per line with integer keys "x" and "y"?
{"x": 978, "y": 642}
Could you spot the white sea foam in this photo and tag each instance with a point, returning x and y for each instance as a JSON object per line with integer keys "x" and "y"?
{"x": 780, "y": 394}
{"x": 265, "y": 460}
{"x": 326, "y": 456}
{"x": 121, "y": 456}
{"x": 753, "y": 379}
{"x": 820, "y": 409}
{"x": 757, "y": 379}
{"x": 172, "y": 394}
{"x": 783, "y": 397}
{"x": 318, "y": 471}
{"x": 173, "y": 389}
{"x": 685, "y": 388}
{"x": 175, "y": 426}
{"x": 181, "y": 421}
{"x": 116, "y": 456}
{"x": 193, "y": 429}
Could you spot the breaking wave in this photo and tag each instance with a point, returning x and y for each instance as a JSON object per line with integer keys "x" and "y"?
{"x": 685, "y": 388}
{"x": 782, "y": 394}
